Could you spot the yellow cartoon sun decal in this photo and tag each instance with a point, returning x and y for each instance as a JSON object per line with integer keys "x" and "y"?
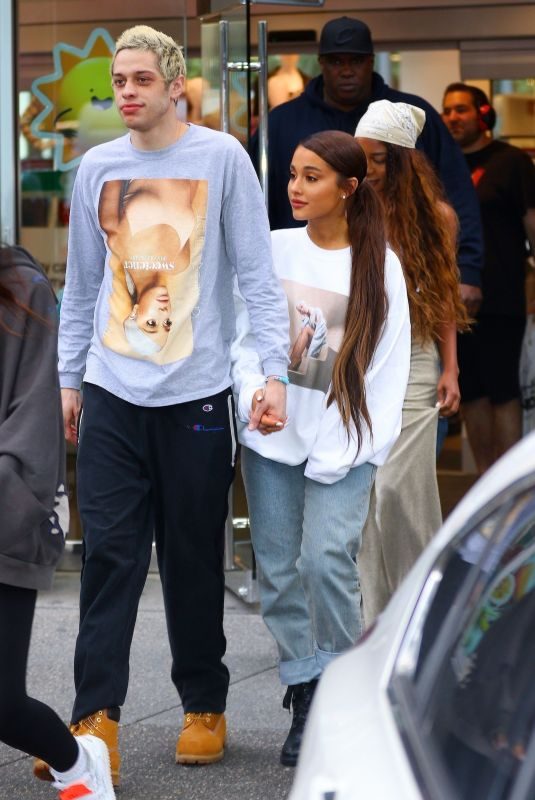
{"x": 77, "y": 100}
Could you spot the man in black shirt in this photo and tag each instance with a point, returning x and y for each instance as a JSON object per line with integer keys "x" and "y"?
{"x": 504, "y": 178}
{"x": 336, "y": 100}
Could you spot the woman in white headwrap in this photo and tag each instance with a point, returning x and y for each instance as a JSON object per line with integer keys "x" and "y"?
{"x": 422, "y": 228}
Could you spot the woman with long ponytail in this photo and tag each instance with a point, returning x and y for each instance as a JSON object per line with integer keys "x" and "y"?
{"x": 308, "y": 478}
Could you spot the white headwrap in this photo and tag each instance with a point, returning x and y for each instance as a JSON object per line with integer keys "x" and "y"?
{"x": 394, "y": 123}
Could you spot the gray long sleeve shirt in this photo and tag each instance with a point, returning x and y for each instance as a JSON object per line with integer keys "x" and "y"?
{"x": 155, "y": 240}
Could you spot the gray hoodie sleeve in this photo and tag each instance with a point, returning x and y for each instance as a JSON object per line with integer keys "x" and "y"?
{"x": 32, "y": 448}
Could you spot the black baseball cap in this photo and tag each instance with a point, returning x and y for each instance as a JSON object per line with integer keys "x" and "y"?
{"x": 345, "y": 35}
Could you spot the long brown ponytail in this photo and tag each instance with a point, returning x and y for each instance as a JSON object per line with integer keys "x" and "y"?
{"x": 367, "y": 304}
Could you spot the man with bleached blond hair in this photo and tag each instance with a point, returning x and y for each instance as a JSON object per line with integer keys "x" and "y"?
{"x": 163, "y": 220}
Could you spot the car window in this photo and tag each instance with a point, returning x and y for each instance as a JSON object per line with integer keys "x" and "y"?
{"x": 468, "y": 702}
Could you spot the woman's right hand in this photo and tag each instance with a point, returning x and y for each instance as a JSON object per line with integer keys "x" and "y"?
{"x": 268, "y": 422}
{"x": 71, "y": 401}
{"x": 448, "y": 393}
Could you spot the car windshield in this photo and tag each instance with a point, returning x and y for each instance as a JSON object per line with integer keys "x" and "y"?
{"x": 463, "y": 689}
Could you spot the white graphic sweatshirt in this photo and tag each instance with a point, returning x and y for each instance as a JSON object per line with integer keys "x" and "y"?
{"x": 316, "y": 282}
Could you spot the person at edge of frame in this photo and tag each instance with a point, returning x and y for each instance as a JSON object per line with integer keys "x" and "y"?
{"x": 489, "y": 359}
{"x": 34, "y": 513}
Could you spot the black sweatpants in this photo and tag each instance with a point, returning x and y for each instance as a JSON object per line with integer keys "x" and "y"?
{"x": 27, "y": 724}
{"x": 142, "y": 471}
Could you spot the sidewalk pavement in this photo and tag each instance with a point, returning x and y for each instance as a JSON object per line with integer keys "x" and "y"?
{"x": 152, "y": 715}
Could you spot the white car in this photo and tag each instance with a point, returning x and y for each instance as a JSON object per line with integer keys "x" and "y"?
{"x": 438, "y": 699}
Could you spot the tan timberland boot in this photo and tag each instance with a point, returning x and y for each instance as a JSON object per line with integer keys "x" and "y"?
{"x": 202, "y": 740}
{"x": 100, "y": 725}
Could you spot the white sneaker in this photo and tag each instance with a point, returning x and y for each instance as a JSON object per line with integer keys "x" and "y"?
{"x": 95, "y": 783}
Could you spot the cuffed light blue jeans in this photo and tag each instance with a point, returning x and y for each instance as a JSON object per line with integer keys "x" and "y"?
{"x": 306, "y": 536}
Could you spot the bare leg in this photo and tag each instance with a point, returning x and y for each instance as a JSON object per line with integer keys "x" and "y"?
{"x": 478, "y": 416}
{"x": 507, "y": 426}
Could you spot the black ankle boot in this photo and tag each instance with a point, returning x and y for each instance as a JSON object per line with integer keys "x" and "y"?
{"x": 299, "y": 697}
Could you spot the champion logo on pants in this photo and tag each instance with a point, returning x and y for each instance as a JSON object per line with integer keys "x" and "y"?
{"x": 204, "y": 428}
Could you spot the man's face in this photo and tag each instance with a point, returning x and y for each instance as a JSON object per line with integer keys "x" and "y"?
{"x": 347, "y": 79}
{"x": 461, "y": 118}
{"x": 143, "y": 98}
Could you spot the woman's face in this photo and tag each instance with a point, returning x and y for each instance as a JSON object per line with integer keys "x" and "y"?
{"x": 153, "y": 314}
{"x": 313, "y": 187}
{"x": 376, "y": 155}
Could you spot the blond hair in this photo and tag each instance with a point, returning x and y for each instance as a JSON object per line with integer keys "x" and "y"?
{"x": 169, "y": 54}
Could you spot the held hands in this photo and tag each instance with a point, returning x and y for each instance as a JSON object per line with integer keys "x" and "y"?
{"x": 448, "y": 393}
{"x": 71, "y": 402}
{"x": 268, "y": 410}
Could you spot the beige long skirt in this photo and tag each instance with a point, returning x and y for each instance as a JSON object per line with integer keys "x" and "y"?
{"x": 404, "y": 507}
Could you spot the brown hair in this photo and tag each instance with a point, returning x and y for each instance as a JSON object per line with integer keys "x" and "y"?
{"x": 419, "y": 232}
{"x": 367, "y": 304}
{"x": 8, "y": 298}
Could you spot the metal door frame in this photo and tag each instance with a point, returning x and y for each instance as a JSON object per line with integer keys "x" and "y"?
{"x": 9, "y": 129}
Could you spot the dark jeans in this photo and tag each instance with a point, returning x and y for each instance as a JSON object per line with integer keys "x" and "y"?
{"x": 142, "y": 471}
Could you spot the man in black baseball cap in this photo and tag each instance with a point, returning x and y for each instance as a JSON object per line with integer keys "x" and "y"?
{"x": 346, "y": 59}
{"x": 336, "y": 100}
